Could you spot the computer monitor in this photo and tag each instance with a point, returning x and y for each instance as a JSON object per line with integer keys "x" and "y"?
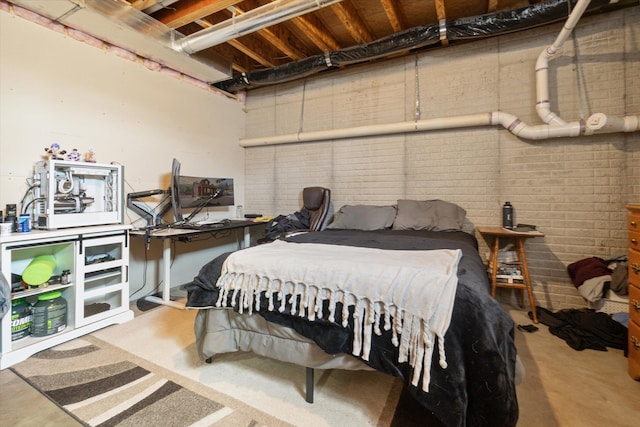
{"x": 198, "y": 192}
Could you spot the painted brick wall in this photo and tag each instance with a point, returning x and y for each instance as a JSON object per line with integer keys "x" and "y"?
{"x": 573, "y": 189}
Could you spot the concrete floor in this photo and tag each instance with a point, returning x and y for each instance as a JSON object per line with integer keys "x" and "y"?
{"x": 23, "y": 406}
{"x": 562, "y": 387}
{"x": 565, "y": 387}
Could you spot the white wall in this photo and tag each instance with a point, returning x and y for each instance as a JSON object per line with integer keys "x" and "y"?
{"x": 55, "y": 89}
{"x": 573, "y": 189}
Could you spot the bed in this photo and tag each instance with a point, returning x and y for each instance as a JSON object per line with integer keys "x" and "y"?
{"x": 462, "y": 372}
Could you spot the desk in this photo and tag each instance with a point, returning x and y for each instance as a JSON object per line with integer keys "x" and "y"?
{"x": 169, "y": 234}
{"x": 497, "y": 233}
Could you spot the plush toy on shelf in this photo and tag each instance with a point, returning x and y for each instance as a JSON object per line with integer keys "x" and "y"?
{"x": 90, "y": 156}
{"x": 54, "y": 152}
{"x": 74, "y": 155}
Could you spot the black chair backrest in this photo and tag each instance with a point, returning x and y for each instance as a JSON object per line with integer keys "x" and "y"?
{"x": 317, "y": 201}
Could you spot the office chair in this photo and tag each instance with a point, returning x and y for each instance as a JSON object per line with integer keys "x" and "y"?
{"x": 316, "y": 204}
{"x": 317, "y": 201}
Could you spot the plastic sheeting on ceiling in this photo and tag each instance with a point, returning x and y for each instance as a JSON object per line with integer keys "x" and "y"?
{"x": 465, "y": 29}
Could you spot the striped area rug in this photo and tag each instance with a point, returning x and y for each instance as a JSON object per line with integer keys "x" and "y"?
{"x": 101, "y": 385}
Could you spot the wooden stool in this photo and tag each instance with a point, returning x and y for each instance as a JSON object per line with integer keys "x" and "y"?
{"x": 518, "y": 238}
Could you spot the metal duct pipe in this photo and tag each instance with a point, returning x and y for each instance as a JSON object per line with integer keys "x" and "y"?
{"x": 249, "y": 22}
{"x": 157, "y": 6}
{"x": 542, "y": 65}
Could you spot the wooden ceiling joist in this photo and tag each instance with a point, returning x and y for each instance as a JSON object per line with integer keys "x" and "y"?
{"x": 316, "y": 32}
{"x": 277, "y": 35}
{"x": 254, "y": 51}
{"x": 341, "y": 25}
{"x": 442, "y": 16}
{"x": 240, "y": 62}
{"x": 142, "y": 4}
{"x": 252, "y": 47}
{"x": 391, "y": 10}
{"x": 185, "y": 12}
{"x": 348, "y": 15}
{"x": 440, "y": 10}
{"x": 284, "y": 41}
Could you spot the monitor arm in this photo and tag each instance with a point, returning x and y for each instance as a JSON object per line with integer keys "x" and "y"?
{"x": 201, "y": 206}
{"x": 152, "y": 216}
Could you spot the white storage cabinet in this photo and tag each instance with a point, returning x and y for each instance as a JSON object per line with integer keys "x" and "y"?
{"x": 97, "y": 292}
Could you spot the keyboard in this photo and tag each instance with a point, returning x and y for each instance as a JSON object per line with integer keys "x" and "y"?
{"x": 205, "y": 224}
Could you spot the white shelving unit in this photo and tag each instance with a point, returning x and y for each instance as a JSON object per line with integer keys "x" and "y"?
{"x": 97, "y": 294}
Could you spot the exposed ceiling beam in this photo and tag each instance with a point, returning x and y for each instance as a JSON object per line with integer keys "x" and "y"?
{"x": 143, "y": 4}
{"x": 284, "y": 41}
{"x": 440, "y": 10}
{"x": 239, "y": 62}
{"x": 391, "y": 9}
{"x": 253, "y": 47}
{"x": 188, "y": 11}
{"x": 281, "y": 38}
{"x": 348, "y": 15}
{"x": 442, "y": 16}
{"x": 316, "y": 32}
{"x": 256, "y": 50}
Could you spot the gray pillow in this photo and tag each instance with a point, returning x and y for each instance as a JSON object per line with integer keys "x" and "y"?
{"x": 436, "y": 215}
{"x": 363, "y": 217}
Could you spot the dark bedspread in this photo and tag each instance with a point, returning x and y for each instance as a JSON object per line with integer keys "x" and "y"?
{"x": 478, "y": 386}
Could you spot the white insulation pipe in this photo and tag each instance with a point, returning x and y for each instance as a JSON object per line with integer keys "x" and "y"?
{"x": 542, "y": 65}
{"x": 601, "y": 124}
{"x": 554, "y": 126}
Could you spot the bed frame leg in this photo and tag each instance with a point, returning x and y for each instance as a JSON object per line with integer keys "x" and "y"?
{"x": 310, "y": 385}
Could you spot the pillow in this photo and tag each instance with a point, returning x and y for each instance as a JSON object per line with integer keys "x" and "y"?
{"x": 362, "y": 217}
{"x": 435, "y": 215}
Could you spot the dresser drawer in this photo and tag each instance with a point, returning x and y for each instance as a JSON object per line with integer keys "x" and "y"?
{"x": 634, "y": 350}
{"x": 634, "y": 303}
{"x": 633, "y": 222}
{"x": 634, "y": 267}
{"x": 634, "y": 240}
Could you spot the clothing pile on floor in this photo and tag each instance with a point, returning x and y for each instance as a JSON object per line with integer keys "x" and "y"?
{"x": 584, "y": 328}
{"x": 594, "y": 277}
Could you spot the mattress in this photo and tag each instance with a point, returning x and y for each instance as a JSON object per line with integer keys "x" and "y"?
{"x": 476, "y": 388}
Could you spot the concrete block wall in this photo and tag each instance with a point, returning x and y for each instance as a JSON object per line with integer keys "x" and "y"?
{"x": 574, "y": 189}
{"x": 632, "y": 101}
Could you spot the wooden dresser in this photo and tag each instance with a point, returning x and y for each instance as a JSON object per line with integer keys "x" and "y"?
{"x": 633, "y": 225}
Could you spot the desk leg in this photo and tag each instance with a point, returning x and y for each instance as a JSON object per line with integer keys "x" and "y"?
{"x": 493, "y": 261}
{"x": 527, "y": 279}
{"x": 247, "y": 237}
{"x": 310, "y": 385}
{"x": 166, "y": 279}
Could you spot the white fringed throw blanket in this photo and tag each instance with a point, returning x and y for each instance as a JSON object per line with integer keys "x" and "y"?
{"x": 410, "y": 292}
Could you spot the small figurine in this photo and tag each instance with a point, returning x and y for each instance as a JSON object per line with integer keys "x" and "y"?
{"x": 74, "y": 155}
{"x": 54, "y": 152}
{"x": 90, "y": 156}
